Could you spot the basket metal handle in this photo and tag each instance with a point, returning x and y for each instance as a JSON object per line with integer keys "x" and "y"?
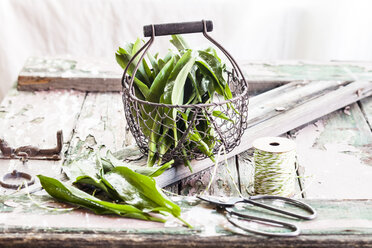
{"x": 177, "y": 28}
{"x": 172, "y": 28}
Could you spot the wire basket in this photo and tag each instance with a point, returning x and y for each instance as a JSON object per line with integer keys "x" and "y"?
{"x": 220, "y": 123}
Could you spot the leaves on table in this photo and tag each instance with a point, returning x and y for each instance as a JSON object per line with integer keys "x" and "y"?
{"x": 131, "y": 187}
{"x": 67, "y": 193}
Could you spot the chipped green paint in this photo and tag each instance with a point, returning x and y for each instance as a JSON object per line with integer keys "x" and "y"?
{"x": 311, "y": 72}
{"x": 3, "y": 113}
{"x": 24, "y": 110}
{"x": 46, "y": 65}
{"x": 305, "y": 71}
{"x": 334, "y": 217}
{"x": 345, "y": 127}
{"x": 22, "y": 204}
{"x": 366, "y": 107}
{"x": 37, "y": 120}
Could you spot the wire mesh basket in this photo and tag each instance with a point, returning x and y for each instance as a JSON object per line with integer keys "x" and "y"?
{"x": 189, "y": 131}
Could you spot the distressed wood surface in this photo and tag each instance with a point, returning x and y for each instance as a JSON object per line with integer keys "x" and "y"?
{"x": 85, "y": 74}
{"x": 152, "y": 240}
{"x": 102, "y": 125}
{"x": 335, "y": 155}
{"x": 221, "y": 179}
{"x": 33, "y": 119}
{"x": 343, "y": 222}
{"x": 366, "y": 107}
{"x": 301, "y": 111}
{"x": 93, "y": 74}
{"x": 288, "y": 71}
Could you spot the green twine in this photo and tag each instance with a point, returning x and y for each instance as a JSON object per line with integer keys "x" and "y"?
{"x": 275, "y": 173}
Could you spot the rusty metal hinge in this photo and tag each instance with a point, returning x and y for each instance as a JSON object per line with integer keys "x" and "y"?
{"x": 31, "y": 152}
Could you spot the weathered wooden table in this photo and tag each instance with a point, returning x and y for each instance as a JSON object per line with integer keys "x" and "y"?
{"x": 335, "y": 157}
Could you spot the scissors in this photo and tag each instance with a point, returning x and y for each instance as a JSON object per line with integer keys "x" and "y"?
{"x": 228, "y": 207}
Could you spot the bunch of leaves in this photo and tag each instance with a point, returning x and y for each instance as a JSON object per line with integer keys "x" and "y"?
{"x": 180, "y": 78}
{"x": 131, "y": 190}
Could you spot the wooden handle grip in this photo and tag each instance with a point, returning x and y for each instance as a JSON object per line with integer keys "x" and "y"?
{"x": 177, "y": 28}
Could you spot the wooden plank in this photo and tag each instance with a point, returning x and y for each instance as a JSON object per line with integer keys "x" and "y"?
{"x": 302, "y": 111}
{"x": 222, "y": 185}
{"x": 342, "y": 222}
{"x": 102, "y": 125}
{"x": 246, "y": 172}
{"x": 88, "y": 240}
{"x": 85, "y": 74}
{"x": 366, "y": 107}
{"x": 97, "y": 74}
{"x": 128, "y": 240}
{"x": 268, "y": 72}
{"x": 33, "y": 119}
{"x": 335, "y": 153}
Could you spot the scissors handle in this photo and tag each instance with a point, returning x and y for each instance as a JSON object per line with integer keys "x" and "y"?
{"x": 295, "y": 231}
{"x": 297, "y": 203}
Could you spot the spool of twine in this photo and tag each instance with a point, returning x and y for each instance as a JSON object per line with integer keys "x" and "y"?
{"x": 274, "y": 162}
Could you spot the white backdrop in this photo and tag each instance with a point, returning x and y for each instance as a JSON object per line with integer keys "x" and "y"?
{"x": 249, "y": 29}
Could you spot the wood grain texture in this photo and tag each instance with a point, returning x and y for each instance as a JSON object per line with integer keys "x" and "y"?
{"x": 33, "y": 119}
{"x": 84, "y": 74}
{"x": 288, "y": 71}
{"x": 102, "y": 75}
{"x": 340, "y": 223}
{"x": 302, "y": 110}
{"x": 335, "y": 153}
{"x": 225, "y": 176}
{"x": 366, "y": 107}
{"x": 132, "y": 240}
{"x": 102, "y": 125}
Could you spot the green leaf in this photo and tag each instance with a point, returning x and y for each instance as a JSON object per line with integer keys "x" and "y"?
{"x": 154, "y": 64}
{"x": 208, "y": 72}
{"x": 123, "y": 57}
{"x": 144, "y": 170}
{"x": 157, "y": 87}
{"x": 178, "y": 88}
{"x": 221, "y": 115}
{"x": 140, "y": 191}
{"x": 179, "y": 42}
{"x": 143, "y": 68}
{"x": 192, "y": 77}
{"x": 181, "y": 63}
{"x": 214, "y": 64}
{"x": 153, "y": 140}
{"x": 202, "y": 146}
{"x": 213, "y": 52}
{"x": 165, "y": 142}
{"x": 66, "y": 193}
{"x": 123, "y": 60}
{"x": 161, "y": 64}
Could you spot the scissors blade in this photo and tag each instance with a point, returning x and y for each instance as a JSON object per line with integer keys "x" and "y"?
{"x": 220, "y": 201}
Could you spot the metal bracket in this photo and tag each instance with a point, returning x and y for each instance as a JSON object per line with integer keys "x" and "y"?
{"x": 31, "y": 152}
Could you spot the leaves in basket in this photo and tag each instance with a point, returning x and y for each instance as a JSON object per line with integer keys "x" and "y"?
{"x": 181, "y": 78}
